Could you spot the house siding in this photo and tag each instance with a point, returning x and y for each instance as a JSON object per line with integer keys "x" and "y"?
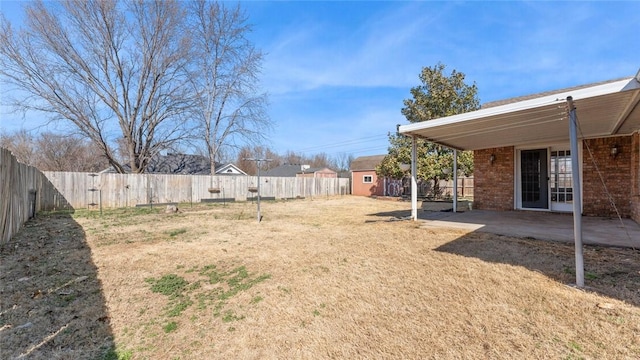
{"x": 616, "y": 173}
{"x": 494, "y": 183}
{"x": 375, "y": 188}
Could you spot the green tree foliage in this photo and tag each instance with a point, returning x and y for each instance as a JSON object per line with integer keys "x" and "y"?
{"x": 438, "y": 96}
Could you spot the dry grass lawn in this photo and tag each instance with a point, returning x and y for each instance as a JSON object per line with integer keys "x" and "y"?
{"x": 316, "y": 279}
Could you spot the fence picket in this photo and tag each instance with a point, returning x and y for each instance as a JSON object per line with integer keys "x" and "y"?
{"x": 24, "y": 191}
{"x": 127, "y": 190}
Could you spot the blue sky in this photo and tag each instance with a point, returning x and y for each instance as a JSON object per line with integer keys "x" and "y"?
{"x": 337, "y": 72}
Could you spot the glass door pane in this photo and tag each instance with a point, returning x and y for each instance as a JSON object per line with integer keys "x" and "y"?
{"x": 533, "y": 179}
{"x": 561, "y": 178}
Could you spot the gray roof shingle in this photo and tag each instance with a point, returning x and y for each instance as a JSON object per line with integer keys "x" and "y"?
{"x": 363, "y": 163}
{"x": 544, "y": 93}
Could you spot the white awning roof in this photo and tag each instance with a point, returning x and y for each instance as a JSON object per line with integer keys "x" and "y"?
{"x": 603, "y": 110}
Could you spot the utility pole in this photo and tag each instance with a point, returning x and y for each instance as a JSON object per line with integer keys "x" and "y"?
{"x": 258, "y": 161}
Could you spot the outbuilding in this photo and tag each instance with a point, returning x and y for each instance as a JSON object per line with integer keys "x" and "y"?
{"x": 364, "y": 179}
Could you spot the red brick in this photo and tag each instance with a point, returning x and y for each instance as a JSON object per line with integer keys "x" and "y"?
{"x": 494, "y": 182}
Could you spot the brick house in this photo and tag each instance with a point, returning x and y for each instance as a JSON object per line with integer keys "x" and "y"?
{"x": 364, "y": 180}
{"x": 522, "y": 156}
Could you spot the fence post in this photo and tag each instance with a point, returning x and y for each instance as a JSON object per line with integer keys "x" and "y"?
{"x": 140, "y": 188}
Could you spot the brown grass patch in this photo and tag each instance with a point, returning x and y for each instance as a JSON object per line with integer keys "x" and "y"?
{"x": 327, "y": 278}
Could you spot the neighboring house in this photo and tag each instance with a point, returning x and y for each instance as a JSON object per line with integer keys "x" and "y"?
{"x": 229, "y": 169}
{"x": 185, "y": 164}
{"x": 364, "y": 180}
{"x": 297, "y": 170}
{"x": 522, "y": 155}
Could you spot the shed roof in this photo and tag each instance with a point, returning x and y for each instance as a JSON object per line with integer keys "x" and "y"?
{"x": 604, "y": 109}
{"x": 364, "y": 163}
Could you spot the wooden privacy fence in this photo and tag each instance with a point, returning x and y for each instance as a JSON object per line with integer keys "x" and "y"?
{"x": 402, "y": 187}
{"x": 465, "y": 187}
{"x": 445, "y": 188}
{"x": 24, "y": 190}
{"x": 86, "y": 190}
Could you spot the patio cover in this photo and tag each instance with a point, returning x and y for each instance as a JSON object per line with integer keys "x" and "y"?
{"x": 604, "y": 109}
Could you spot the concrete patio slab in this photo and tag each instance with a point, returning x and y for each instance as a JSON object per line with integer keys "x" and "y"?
{"x": 538, "y": 225}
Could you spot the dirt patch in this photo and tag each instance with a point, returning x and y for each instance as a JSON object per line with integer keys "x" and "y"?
{"x": 51, "y": 300}
{"x": 331, "y": 278}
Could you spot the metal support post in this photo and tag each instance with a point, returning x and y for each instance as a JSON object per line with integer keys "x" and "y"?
{"x": 577, "y": 193}
{"x": 455, "y": 180}
{"x": 414, "y": 181}
{"x": 258, "y": 161}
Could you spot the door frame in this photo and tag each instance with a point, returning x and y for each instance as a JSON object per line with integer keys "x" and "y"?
{"x": 517, "y": 196}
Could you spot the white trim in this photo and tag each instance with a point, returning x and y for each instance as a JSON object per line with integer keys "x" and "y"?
{"x": 518, "y": 178}
{"x": 559, "y": 98}
{"x": 222, "y": 170}
{"x": 559, "y": 206}
{"x": 517, "y": 198}
{"x": 364, "y": 179}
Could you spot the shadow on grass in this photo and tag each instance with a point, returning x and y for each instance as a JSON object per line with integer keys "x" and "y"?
{"x": 51, "y": 300}
{"x": 385, "y": 216}
{"x": 612, "y": 272}
{"x": 406, "y": 214}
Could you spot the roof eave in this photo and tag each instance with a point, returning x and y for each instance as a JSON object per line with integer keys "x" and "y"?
{"x": 547, "y": 102}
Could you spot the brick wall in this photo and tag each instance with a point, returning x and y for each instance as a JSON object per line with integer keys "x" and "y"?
{"x": 635, "y": 177}
{"x": 494, "y": 182}
{"x": 616, "y": 172}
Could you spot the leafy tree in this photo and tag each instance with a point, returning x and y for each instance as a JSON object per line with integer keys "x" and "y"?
{"x": 438, "y": 96}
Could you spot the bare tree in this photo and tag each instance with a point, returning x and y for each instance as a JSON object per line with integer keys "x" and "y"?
{"x": 54, "y": 152}
{"x": 320, "y": 160}
{"x": 58, "y": 152}
{"x": 245, "y": 165}
{"x": 342, "y": 161}
{"x": 291, "y": 157}
{"x": 257, "y": 151}
{"x": 114, "y": 70}
{"x": 230, "y": 107}
{"x": 22, "y": 145}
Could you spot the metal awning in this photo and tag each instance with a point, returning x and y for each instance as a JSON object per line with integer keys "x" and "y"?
{"x": 606, "y": 109}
